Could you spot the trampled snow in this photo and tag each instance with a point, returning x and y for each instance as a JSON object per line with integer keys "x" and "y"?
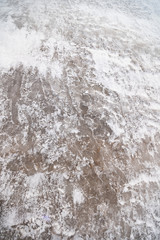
{"x": 79, "y": 119}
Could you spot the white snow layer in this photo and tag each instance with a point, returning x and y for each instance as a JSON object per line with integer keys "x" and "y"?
{"x": 78, "y": 197}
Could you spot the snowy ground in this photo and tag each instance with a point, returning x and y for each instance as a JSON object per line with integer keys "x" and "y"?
{"x": 79, "y": 120}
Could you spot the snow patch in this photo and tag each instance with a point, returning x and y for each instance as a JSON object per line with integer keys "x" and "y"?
{"x": 78, "y": 196}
